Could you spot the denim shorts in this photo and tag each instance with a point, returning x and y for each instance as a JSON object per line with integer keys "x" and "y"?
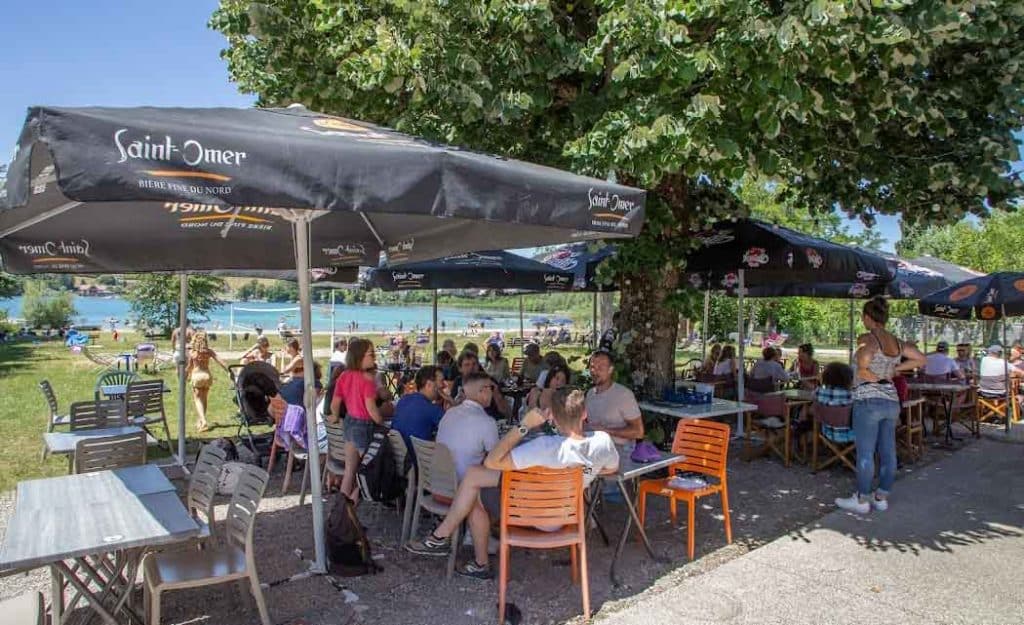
{"x": 358, "y": 432}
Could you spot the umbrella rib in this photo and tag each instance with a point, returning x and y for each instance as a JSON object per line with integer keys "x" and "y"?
{"x": 373, "y": 229}
{"x": 227, "y": 227}
{"x": 53, "y": 212}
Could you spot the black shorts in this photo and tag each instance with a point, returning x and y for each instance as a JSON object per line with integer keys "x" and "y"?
{"x": 490, "y": 497}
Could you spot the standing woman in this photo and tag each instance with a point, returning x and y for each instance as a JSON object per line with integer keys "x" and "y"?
{"x": 356, "y": 390}
{"x": 876, "y": 406}
{"x": 198, "y": 372}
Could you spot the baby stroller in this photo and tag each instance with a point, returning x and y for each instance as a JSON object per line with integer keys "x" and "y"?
{"x": 254, "y": 384}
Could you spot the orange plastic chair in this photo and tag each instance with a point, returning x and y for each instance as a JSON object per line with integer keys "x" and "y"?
{"x": 541, "y": 497}
{"x": 705, "y": 446}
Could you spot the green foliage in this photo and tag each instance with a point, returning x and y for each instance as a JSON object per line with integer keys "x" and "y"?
{"x": 154, "y": 298}
{"x": 992, "y": 244}
{"x": 44, "y": 307}
{"x": 281, "y": 291}
{"x": 864, "y": 107}
{"x": 10, "y": 286}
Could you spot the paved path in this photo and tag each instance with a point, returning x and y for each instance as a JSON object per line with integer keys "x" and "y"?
{"x": 949, "y": 550}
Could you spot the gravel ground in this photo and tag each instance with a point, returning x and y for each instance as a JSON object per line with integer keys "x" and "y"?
{"x": 768, "y": 500}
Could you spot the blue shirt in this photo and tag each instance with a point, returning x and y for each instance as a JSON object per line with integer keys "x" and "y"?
{"x": 415, "y": 415}
{"x": 293, "y": 390}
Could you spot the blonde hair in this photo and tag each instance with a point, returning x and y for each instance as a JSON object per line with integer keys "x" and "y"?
{"x": 199, "y": 342}
{"x": 568, "y": 407}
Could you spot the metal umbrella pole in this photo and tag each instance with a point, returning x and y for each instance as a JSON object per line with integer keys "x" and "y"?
{"x": 704, "y": 327}
{"x": 301, "y": 225}
{"x": 522, "y": 330}
{"x": 332, "y": 320}
{"x": 850, "y": 348}
{"x": 182, "y": 340}
{"x": 742, "y": 371}
{"x": 435, "y": 326}
{"x": 1006, "y": 377}
{"x": 593, "y": 338}
{"x": 231, "y": 325}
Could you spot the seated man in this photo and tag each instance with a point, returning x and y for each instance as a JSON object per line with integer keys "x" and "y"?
{"x": 769, "y": 367}
{"x": 964, "y": 361}
{"x": 418, "y": 414}
{"x": 466, "y": 429}
{"x": 533, "y": 364}
{"x": 939, "y": 363}
{"x": 294, "y": 389}
{"x": 469, "y": 363}
{"x": 992, "y": 374}
{"x": 478, "y": 499}
{"x": 611, "y": 407}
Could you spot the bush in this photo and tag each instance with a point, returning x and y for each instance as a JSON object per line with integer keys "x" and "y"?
{"x": 42, "y": 307}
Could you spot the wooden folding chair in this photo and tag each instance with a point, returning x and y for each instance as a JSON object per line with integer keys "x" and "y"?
{"x": 110, "y": 452}
{"x": 144, "y": 403}
{"x": 95, "y": 415}
{"x": 517, "y": 365}
{"x": 235, "y": 560}
{"x": 543, "y": 498}
{"x": 832, "y": 427}
{"x": 992, "y": 399}
{"x": 965, "y": 410}
{"x": 705, "y": 448}
{"x": 910, "y": 431}
{"x": 777, "y": 434}
{"x": 436, "y": 483}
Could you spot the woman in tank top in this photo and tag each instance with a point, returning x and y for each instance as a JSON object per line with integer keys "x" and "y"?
{"x": 876, "y": 406}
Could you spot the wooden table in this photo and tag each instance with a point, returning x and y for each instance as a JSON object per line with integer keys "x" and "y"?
{"x": 946, "y": 393}
{"x": 65, "y": 442}
{"x": 628, "y": 473}
{"x": 92, "y": 530}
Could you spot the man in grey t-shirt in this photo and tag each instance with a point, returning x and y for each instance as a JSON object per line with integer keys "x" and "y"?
{"x": 611, "y": 407}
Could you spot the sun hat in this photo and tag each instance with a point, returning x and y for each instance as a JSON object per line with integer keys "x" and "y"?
{"x": 995, "y": 348}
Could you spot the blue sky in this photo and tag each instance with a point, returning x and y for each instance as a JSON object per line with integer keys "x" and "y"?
{"x": 102, "y": 52}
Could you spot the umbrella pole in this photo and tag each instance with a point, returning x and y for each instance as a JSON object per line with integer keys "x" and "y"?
{"x": 435, "y": 326}
{"x": 593, "y": 338}
{"x": 182, "y": 340}
{"x": 231, "y": 325}
{"x": 850, "y": 346}
{"x": 924, "y": 335}
{"x": 301, "y": 225}
{"x": 1006, "y": 373}
{"x": 742, "y": 371}
{"x": 704, "y": 327}
{"x": 522, "y": 330}
{"x": 332, "y": 320}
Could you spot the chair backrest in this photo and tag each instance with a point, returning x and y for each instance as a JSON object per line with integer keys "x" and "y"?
{"x": 542, "y": 497}
{"x": 51, "y": 399}
{"x": 832, "y": 416}
{"x": 704, "y": 446}
{"x": 767, "y": 405}
{"x": 435, "y": 468}
{"x": 145, "y": 397}
{"x": 759, "y": 385}
{"x": 115, "y": 376}
{"x": 110, "y": 452}
{"x": 398, "y": 450}
{"x": 245, "y": 501}
{"x": 992, "y": 385}
{"x": 936, "y": 379}
{"x": 202, "y": 487}
{"x": 517, "y": 365}
{"x": 96, "y": 414}
{"x": 336, "y": 441}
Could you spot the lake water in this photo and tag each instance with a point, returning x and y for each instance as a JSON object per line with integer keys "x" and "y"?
{"x": 98, "y": 310}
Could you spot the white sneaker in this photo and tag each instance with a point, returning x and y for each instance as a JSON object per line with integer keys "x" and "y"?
{"x": 881, "y": 505}
{"x": 853, "y": 504}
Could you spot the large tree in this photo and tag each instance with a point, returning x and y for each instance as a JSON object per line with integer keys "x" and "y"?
{"x": 868, "y": 107}
{"x": 995, "y": 243}
{"x": 154, "y": 297}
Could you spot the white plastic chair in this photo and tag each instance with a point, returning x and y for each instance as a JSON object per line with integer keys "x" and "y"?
{"x": 232, "y": 561}
{"x": 435, "y": 476}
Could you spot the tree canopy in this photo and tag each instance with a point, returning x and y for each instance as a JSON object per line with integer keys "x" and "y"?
{"x": 867, "y": 107}
{"x": 992, "y": 244}
{"x": 154, "y": 297}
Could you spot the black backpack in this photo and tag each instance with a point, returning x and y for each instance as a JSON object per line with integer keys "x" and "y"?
{"x": 379, "y": 478}
{"x": 348, "y": 549}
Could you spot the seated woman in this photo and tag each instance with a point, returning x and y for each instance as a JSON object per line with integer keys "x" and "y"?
{"x": 540, "y": 397}
{"x": 292, "y": 359}
{"x": 727, "y": 363}
{"x": 260, "y": 352}
{"x": 708, "y": 367}
{"x": 836, "y": 390}
{"x": 806, "y": 367}
{"x": 496, "y": 365}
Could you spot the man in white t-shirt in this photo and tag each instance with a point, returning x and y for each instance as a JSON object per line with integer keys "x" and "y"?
{"x": 940, "y": 363}
{"x": 611, "y": 407}
{"x": 478, "y": 499}
{"x": 466, "y": 429}
{"x": 993, "y": 366}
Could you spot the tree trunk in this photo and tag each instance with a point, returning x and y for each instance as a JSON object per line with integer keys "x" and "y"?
{"x": 648, "y": 328}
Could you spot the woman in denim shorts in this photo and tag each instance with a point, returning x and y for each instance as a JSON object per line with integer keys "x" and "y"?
{"x": 355, "y": 396}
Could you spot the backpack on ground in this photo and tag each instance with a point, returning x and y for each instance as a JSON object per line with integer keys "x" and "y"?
{"x": 348, "y": 549}
{"x": 379, "y": 479}
{"x": 226, "y": 444}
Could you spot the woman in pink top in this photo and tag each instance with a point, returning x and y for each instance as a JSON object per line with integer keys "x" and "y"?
{"x": 356, "y": 394}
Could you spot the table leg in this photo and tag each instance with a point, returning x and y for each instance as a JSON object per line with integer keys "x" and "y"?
{"x": 630, "y": 520}
{"x": 56, "y": 596}
{"x": 592, "y": 501}
{"x": 947, "y": 404}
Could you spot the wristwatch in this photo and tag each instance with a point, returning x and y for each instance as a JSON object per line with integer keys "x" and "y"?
{"x": 523, "y": 430}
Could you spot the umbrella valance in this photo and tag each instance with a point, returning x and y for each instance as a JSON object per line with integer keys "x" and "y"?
{"x": 988, "y": 297}
{"x": 495, "y": 269}
{"x": 582, "y": 259}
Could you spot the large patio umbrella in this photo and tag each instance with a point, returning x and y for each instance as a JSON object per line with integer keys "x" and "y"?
{"x": 583, "y": 259}
{"x": 743, "y": 254}
{"x": 494, "y": 269}
{"x": 93, "y": 187}
{"x": 986, "y": 298}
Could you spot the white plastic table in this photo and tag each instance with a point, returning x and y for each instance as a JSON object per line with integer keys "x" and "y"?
{"x": 717, "y": 408}
{"x": 92, "y": 530}
{"x": 627, "y": 473}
